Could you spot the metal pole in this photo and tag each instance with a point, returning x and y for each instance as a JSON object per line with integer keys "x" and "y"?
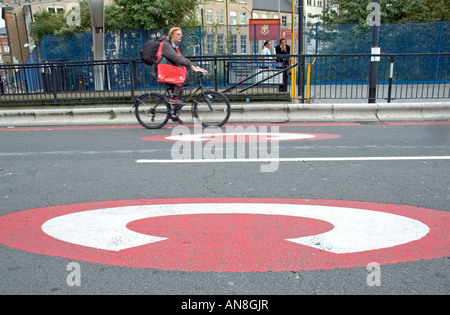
{"x": 301, "y": 60}
{"x": 373, "y": 70}
{"x": 294, "y": 70}
{"x": 97, "y": 10}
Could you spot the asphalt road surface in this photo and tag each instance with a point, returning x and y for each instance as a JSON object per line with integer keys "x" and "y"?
{"x": 386, "y": 168}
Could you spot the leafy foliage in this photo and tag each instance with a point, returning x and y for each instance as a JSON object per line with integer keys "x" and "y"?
{"x": 51, "y": 23}
{"x": 119, "y": 16}
{"x": 392, "y": 11}
{"x": 144, "y": 14}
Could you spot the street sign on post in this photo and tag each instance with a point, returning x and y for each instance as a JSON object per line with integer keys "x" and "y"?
{"x": 373, "y": 19}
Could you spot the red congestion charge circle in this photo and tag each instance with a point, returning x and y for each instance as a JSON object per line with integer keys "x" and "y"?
{"x": 228, "y": 234}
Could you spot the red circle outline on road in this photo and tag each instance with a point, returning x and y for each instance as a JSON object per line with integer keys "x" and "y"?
{"x": 226, "y": 242}
{"x": 241, "y": 137}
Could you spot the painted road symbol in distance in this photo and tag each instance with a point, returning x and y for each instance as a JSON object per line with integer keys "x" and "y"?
{"x": 237, "y": 137}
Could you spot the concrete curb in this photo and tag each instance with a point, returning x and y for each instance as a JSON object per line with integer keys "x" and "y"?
{"x": 241, "y": 113}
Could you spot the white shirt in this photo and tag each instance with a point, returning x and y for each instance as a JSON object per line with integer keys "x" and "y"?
{"x": 266, "y": 51}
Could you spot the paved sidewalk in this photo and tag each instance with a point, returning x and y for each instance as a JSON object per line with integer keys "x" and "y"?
{"x": 241, "y": 113}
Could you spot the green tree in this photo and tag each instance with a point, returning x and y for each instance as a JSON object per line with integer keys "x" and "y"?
{"x": 121, "y": 15}
{"x": 51, "y": 23}
{"x": 145, "y": 14}
{"x": 46, "y": 23}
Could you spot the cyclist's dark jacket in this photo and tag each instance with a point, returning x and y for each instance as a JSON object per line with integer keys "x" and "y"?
{"x": 171, "y": 64}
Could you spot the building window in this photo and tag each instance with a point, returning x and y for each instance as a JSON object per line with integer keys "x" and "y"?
{"x": 243, "y": 18}
{"x": 220, "y": 43}
{"x": 234, "y": 44}
{"x": 256, "y": 47}
{"x": 233, "y": 17}
{"x": 284, "y": 21}
{"x": 6, "y": 49}
{"x": 55, "y": 9}
{"x": 209, "y": 17}
{"x": 219, "y": 16}
{"x": 209, "y": 43}
{"x": 243, "y": 44}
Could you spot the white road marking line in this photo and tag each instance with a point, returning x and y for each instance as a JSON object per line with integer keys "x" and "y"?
{"x": 300, "y": 159}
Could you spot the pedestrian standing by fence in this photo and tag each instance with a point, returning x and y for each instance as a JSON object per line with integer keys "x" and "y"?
{"x": 283, "y": 49}
{"x": 267, "y": 52}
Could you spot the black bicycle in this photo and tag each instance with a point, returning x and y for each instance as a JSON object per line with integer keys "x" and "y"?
{"x": 210, "y": 108}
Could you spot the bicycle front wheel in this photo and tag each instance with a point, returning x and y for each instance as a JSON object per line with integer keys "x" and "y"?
{"x": 211, "y": 108}
{"x": 151, "y": 110}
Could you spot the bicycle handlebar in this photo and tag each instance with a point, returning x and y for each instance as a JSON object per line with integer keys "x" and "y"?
{"x": 201, "y": 73}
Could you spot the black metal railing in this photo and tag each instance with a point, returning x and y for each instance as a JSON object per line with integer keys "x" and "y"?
{"x": 326, "y": 77}
{"x": 400, "y": 76}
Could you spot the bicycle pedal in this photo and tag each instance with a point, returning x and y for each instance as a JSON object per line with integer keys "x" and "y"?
{"x": 177, "y": 119}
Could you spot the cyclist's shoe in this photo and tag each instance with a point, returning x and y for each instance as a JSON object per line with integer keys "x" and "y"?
{"x": 174, "y": 115}
{"x": 176, "y": 119}
{"x": 175, "y": 107}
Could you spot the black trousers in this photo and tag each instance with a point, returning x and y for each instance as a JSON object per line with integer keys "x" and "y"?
{"x": 176, "y": 89}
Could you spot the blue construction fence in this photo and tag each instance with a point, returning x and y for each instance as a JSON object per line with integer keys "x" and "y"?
{"x": 398, "y": 38}
{"x": 339, "y": 56}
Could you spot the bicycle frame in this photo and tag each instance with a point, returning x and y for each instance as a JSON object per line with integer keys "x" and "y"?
{"x": 195, "y": 92}
{"x": 189, "y": 98}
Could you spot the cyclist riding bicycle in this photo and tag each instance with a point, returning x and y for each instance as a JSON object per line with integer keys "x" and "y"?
{"x": 171, "y": 69}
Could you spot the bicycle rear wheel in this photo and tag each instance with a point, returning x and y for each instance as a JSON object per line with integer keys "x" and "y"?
{"x": 211, "y": 108}
{"x": 9, "y": 88}
{"x": 151, "y": 110}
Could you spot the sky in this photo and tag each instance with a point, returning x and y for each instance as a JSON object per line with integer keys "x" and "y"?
{"x": 2, "y": 22}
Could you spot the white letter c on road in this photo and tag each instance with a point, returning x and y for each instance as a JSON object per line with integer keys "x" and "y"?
{"x": 355, "y": 230}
